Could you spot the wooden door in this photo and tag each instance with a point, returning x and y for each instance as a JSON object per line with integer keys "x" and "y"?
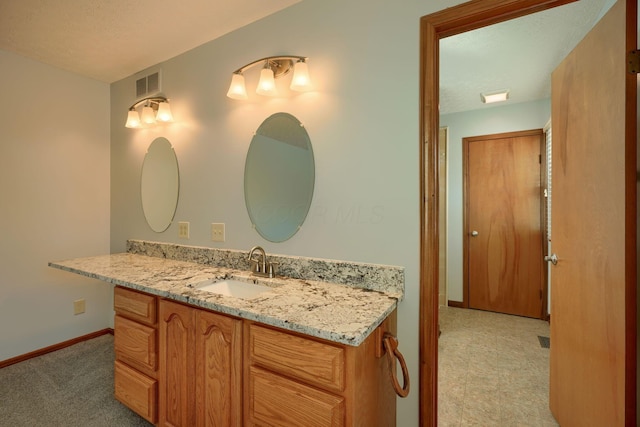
{"x": 218, "y": 374}
{"x": 593, "y": 307}
{"x": 176, "y": 376}
{"x": 503, "y": 238}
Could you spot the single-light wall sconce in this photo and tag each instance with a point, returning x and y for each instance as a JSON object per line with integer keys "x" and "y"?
{"x": 495, "y": 96}
{"x": 156, "y": 109}
{"x": 273, "y": 68}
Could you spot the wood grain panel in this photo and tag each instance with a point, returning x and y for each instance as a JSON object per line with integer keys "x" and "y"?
{"x": 278, "y": 401}
{"x": 135, "y": 305}
{"x": 218, "y": 370}
{"x": 136, "y": 344}
{"x": 136, "y": 391}
{"x": 593, "y": 290}
{"x": 176, "y": 365}
{"x": 303, "y": 358}
{"x": 503, "y": 198}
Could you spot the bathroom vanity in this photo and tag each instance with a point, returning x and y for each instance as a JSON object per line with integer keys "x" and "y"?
{"x": 301, "y": 352}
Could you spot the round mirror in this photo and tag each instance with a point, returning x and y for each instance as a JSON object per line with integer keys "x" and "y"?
{"x": 279, "y": 175}
{"x": 159, "y": 185}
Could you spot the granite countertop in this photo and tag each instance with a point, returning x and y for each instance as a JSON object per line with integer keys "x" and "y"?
{"x": 335, "y": 312}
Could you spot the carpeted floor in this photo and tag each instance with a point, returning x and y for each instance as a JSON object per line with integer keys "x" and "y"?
{"x": 69, "y": 387}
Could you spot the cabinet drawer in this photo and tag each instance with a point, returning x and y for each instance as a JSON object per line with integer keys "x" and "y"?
{"x": 278, "y": 401}
{"x": 305, "y": 359}
{"x": 137, "y": 391}
{"x": 135, "y": 305}
{"x": 136, "y": 344}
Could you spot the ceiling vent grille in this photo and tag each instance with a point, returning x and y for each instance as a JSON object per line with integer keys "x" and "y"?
{"x": 148, "y": 85}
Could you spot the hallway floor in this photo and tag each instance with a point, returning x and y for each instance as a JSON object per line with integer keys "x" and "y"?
{"x": 492, "y": 370}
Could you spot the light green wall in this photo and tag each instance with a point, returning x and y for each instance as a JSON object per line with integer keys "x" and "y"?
{"x": 54, "y": 182}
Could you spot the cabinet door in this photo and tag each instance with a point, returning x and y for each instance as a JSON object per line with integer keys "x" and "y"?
{"x": 176, "y": 365}
{"x": 218, "y": 370}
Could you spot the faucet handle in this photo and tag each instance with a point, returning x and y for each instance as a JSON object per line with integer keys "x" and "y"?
{"x": 271, "y": 269}
{"x": 255, "y": 266}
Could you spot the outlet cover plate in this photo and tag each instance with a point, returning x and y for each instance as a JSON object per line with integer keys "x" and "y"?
{"x": 79, "y": 306}
{"x": 183, "y": 230}
{"x": 217, "y": 232}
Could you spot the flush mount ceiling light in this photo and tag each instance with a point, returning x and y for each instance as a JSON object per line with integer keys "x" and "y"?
{"x": 156, "y": 109}
{"x": 495, "y": 96}
{"x": 273, "y": 68}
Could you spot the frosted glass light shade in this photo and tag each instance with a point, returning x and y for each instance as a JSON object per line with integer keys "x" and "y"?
{"x": 300, "y": 81}
{"x": 267, "y": 84}
{"x": 164, "y": 112}
{"x": 148, "y": 115}
{"x": 133, "y": 119}
{"x": 237, "y": 89}
{"x": 492, "y": 97}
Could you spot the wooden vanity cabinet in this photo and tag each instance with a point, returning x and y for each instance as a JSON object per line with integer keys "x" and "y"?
{"x": 200, "y": 367}
{"x": 179, "y": 365}
{"x": 291, "y": 380}
{"x": 136, "y": 350}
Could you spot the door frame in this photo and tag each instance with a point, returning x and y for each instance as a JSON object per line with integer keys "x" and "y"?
{"x": 448, "y": 22}
{"x": 465, "y": 213}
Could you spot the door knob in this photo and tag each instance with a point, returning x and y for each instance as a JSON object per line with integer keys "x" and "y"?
{"x": 474, "y": 233}
{"x": 553, "y": 259}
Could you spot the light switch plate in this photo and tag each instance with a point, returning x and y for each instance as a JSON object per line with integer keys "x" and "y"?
{"x": 183, "y": 230}
{"x": 217, "y": 232}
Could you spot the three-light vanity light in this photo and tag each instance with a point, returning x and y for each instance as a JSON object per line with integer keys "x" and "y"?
{"x": 156, "y": 109}
{"x": 273, "y": 68}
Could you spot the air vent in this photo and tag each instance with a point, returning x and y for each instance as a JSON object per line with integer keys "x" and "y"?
{"x": 148, "y": 85}
{"x": 141, "y": 87}
{"x": 153, "y": 83}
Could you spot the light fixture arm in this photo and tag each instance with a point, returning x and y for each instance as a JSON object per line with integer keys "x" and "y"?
{"x": 152, "y": 100}
{"x": 280, "y": 65}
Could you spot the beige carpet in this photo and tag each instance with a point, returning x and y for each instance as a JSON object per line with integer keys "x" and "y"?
{"x": 69, "y": 387}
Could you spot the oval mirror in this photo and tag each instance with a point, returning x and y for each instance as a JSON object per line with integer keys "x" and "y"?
{"x": 279, "y": 176}
{"x": 159, "y": 185}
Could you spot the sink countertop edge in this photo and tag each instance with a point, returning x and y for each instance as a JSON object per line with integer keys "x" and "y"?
{"x": 330, "y": 311}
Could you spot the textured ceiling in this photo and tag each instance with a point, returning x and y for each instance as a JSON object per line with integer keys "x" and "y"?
{"x": 111, "y": 39}
{"x": 518, "y": 55}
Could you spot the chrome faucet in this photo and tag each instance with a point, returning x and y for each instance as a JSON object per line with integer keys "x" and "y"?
{"x": 260, "y": 266}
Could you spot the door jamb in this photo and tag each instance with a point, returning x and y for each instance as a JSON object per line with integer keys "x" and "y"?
{"x": 448, "y": 22}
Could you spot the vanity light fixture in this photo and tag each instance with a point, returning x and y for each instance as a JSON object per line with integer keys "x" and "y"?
{"x": 273, "y": 68}
{"x": 495, "y": 96}
{"x": 156, "y": 109}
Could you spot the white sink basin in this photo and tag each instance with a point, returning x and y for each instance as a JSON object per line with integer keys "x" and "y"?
{"x": 233, "y": 288}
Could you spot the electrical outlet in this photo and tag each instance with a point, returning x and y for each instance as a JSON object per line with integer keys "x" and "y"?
{"x": 217, "y": 232}
{"x": 183, "y": 230}
{"x": 79, "y": 306}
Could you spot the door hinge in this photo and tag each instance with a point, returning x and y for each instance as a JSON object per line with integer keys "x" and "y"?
{"x": 540, "y": 158}
{"x": 633, "y": 62}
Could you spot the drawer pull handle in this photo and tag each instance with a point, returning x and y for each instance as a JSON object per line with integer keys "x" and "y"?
{"x": 390, "y": 343}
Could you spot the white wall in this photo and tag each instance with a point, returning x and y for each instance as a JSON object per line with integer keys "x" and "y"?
{"x": 509, "y": 118}
{"x": 54, "y": 184}
{"x": 362, "y": 121}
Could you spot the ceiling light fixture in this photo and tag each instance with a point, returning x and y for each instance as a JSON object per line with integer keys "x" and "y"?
{"x": 156, "y": 109}
{"x": 273, "y": 67}
{"x": 495, "y": 96}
